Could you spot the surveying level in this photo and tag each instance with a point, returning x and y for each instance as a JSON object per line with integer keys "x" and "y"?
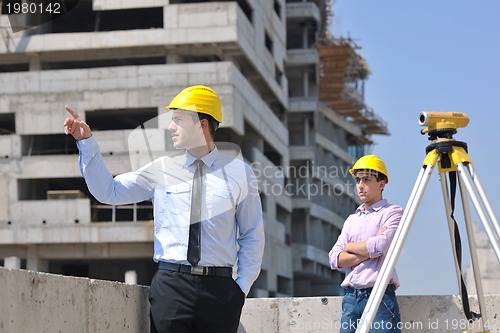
{"x": 445, "y": 121}
{"x": 452, "y": 158}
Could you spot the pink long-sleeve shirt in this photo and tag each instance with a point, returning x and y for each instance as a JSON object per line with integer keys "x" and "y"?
{"x": 364, "y": 225}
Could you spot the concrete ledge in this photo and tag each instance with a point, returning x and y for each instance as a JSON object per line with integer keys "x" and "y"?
{"x": 438, "y": 314}
{"x": 41, "y": 302}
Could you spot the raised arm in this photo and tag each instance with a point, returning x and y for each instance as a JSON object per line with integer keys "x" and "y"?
{"x": 123, "y": 189}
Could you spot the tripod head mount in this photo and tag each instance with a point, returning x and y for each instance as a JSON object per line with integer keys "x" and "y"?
{"x": 441, "y": 126}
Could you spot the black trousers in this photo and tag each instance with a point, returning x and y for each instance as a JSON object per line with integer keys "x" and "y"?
{"x": 185, "y": 303}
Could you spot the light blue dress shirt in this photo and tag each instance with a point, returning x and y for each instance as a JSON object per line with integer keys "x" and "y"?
{"x": 232, "y": 231}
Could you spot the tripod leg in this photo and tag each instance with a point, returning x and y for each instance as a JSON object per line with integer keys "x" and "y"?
{"x": 484, "y": 198}
{"x": 469, "y": 184}
{"x": 394, "y": 250}
{"x": 473, "y": 253}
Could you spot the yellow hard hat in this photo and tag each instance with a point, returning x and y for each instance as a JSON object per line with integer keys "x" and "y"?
{"x": 370, "y": 162}
{"x": 200, "y": 99}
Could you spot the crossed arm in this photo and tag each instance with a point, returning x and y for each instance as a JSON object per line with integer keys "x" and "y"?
{"x": 355, "y": 252}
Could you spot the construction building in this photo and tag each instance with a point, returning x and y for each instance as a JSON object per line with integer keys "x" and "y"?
{"x": 292, "y": 100}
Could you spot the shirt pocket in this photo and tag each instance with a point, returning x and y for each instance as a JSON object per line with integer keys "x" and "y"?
{"x": 177, "y": 199}
{"x": 219, "y": 201}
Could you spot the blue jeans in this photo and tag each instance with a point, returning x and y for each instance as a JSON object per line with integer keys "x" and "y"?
{"x": 386, "y": 320}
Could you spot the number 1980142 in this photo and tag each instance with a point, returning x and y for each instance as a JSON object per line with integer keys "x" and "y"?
{"x": 41, "y": 7}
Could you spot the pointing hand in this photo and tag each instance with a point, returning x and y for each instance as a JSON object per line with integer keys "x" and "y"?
{"x": 76, "y": 126}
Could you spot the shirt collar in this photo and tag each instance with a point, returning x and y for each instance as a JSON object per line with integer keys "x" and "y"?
{"x": 375, "y": 207}
{"x": 208, "y": 159}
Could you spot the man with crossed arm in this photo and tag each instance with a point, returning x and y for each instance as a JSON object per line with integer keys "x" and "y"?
{"x": 362, "y": 246}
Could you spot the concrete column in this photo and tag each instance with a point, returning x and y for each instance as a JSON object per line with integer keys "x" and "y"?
{"x": 12, "y": 262}
{"x": 305, "y": 40}
{"x": 306, "y": 132}
{"x": 131, "y": 277}
{"x": 252, "y": 140}
{"x": 35, "y": 63}
{"x": 261, "y": 293}
{"x": 33, "y": 262}
{"x": 173, "y": 58}
{"x": 320, "y": 289}
{"x": 305, "y": 83}
{"x": 302, "y": 287}
{"x": 307, "y": 223}
{"x": 4, "y": 203}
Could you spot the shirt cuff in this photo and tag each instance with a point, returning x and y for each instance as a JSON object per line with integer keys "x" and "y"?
{"x": 371, "y": 246}
{"x": 334, "y": 260}
{"x": 243, "y": 286}
{"x": 87, "y": 145}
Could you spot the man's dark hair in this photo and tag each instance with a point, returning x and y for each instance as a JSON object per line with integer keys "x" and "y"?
{"x": 378, "y": 175}
{"x": 212, "y": 123}
{"x": 198, "y": 116}
{"x": 381, "y": 176}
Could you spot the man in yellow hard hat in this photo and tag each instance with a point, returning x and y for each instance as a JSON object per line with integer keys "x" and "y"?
{"x": 207, "y": 216}
{"x": 362, "y": 246}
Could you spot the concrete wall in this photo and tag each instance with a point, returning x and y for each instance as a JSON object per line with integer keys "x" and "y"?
{"x": 437, "y": 314}
{"x": 40, "y": 302}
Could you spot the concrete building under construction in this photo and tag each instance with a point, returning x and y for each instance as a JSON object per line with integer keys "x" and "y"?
{"x": 292, "y": 99}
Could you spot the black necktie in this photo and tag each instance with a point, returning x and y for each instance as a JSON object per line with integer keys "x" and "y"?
{"x": 194, "y": 248}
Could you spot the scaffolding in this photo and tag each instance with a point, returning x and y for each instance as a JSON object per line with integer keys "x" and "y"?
{"x": 343, "y": 71}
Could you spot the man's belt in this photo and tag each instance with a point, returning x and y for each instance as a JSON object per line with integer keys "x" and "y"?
{"x": 367, "y": 291}
{"x": 197, "y": 270}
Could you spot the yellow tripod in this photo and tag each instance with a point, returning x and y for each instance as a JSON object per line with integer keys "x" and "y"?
{"x": 452, "y": 158}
